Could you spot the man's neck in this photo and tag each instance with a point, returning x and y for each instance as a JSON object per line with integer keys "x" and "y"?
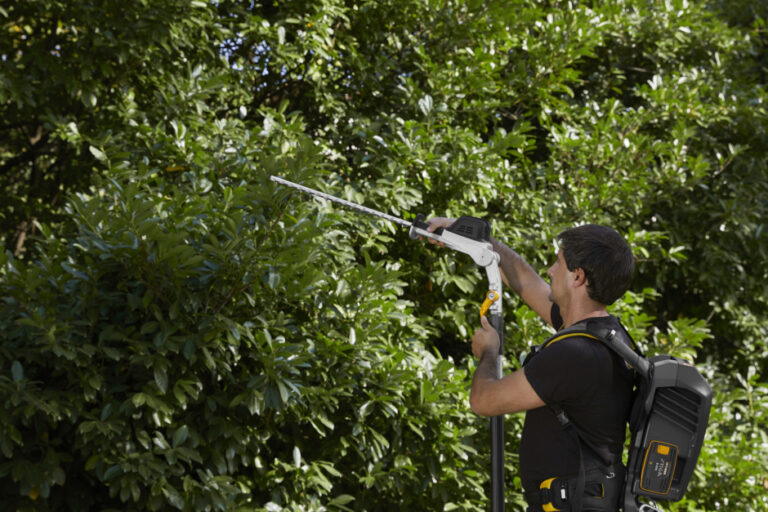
{"x": 573, "y": 315}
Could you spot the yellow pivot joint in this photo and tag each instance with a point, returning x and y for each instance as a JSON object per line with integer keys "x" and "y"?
{"x": 490, "y": 298}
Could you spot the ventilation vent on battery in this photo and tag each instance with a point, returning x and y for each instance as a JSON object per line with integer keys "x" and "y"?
{"x": 679, "y": 406}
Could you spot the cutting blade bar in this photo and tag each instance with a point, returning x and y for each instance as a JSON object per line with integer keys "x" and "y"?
{"x": 348, "y": 204}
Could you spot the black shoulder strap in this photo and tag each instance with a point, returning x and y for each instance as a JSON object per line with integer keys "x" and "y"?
{"x": 577, "y": 330}
{"x": 567, "y": 424}
{"x": 581, "y": 478}
{"x": 610, "y": 338}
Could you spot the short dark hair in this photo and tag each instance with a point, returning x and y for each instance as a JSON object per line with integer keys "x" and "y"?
{"x": 604, "y": 256}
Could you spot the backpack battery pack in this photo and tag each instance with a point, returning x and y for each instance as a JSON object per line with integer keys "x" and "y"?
{"x": 668, "y": 422}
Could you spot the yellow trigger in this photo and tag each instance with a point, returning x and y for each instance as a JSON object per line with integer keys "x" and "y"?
{"x": 490, "y": 298}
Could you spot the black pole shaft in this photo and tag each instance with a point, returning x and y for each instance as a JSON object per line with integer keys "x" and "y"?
{"x": 497, "y": 431}
{"x": 497, "y": 464}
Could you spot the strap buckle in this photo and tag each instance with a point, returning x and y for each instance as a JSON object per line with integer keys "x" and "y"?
{"x": 555, "y": 494}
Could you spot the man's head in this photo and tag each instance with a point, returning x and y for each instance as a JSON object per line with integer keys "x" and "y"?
{"x": 603, "y": 255}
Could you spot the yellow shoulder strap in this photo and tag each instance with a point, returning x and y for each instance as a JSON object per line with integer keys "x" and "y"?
{"x": 570, "y": 335}
{"x": 584, "y": 335}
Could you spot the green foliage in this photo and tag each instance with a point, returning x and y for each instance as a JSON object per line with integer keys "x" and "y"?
{"x": 228, "y": 350}
{"x": 73, "y": 74}
{"x": 180, "y": 333}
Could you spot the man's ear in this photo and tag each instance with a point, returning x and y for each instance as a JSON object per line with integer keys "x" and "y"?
{"x": 579, "y": 277}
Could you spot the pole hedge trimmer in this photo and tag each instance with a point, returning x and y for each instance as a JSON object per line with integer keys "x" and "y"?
{"x": 471, "y": 236}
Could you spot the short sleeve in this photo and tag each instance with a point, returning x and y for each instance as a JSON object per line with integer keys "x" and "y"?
{"x": 564, "y": 372}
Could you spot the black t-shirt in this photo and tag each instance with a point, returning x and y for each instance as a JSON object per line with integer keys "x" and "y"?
{"x": 594, "y": 387}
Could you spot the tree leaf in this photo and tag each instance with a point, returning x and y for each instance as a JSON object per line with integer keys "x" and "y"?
{"x": 99, "y": 154}
{"x": 161, "y": 379}
{"x": 180, "y": 435}
{"x": 426, "y": 104}
{"x": 296, "y": 456}
{"x": 17, "y": 371}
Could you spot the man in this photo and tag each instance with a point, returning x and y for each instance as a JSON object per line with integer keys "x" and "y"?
{"x": 593, "y": 269}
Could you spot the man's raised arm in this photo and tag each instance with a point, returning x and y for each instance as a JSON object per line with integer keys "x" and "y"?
{"x": 515, "y": 272}
{"x": 523, "y": 279}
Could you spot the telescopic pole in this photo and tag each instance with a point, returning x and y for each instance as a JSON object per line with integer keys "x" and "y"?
{"x": 497, "y": 435}
{"x": 496, "y": 319}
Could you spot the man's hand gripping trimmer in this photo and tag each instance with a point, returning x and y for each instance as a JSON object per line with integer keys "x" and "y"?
{"x": 471, "y": 236}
